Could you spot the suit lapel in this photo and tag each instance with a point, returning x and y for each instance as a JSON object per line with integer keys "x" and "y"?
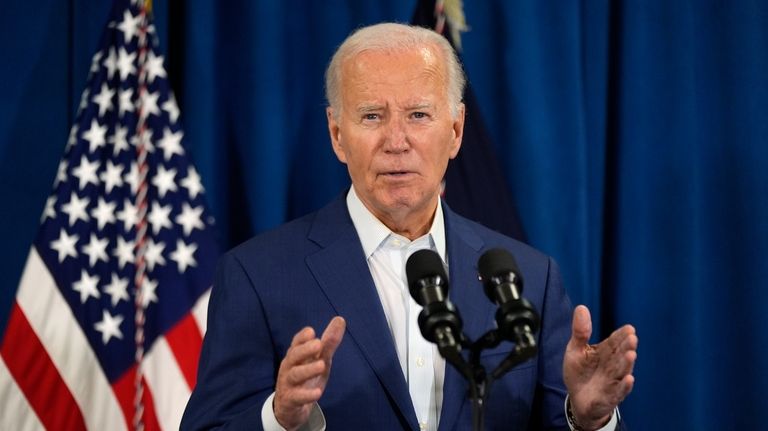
{"x": 464, "y": 247}
{"x": 342, "y": 273}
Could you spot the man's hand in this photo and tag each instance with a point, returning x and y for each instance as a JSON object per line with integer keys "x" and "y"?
{"x": 304, "y": 372}
{"x": 598, "y": 377}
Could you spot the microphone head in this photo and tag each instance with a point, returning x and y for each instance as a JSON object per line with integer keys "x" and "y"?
{"x": 496, "y": 265}
{"x": 421, "y": 265}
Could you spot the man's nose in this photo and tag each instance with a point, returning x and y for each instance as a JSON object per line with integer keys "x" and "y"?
{"x": 396, "y": 139}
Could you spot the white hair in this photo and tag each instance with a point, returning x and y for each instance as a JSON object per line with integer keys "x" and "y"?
{"x": 391, "y": 37}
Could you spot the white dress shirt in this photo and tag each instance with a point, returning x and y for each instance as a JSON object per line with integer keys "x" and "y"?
{"x": 423, "y": 368}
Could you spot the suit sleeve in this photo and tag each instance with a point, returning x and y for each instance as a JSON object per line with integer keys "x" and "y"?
{"x": 237, "y": 365}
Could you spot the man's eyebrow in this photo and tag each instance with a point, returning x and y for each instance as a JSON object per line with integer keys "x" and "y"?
{"x": 420, "y": 105}
{"x": 363, "y": 108}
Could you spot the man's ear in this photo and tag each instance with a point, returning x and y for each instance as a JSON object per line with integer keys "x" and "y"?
{"x": 458, "y": 131}
{"x": 335, "y": 133}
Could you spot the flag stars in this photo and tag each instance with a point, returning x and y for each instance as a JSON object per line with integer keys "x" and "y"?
{"x": 86, "y": 172}
{"x": 129, "y": 215}
{"x": 154, "y": 254}
{"x": 129, "y": 26}
{"x": 61, "y": 173}
{"x": 96, "y": 249}
{"x": 184, "y": 255}
{"x": 172, "y": 109}
{"x": 159, "y": 217}
{"x": 164, "y": 180}
{"x": 125, "y": 101}
{"x": 119, "y": 140}
{"x": 192, "y": 182}
{"x": 86, "y": 286}
{"x": 124, "y": 251}
{"x": 75, "y": 208}
{"x": 154, "y": 67}
{"x": 65, "y": 245}
{"x": 103, "y": 213}
{"x": 148, "y": 292}
{"x": 104, "y": 99}
{"x": 49, "y": 212}
{"x": 190, "y": 218}
{"x": 149, "y": 104}
{"x": 132, "y": 178}
{"x": 110, "y": 62}
{"x": 112, "y": 176}
{"x": 170, "y": 143}
{"x": 109, "y": 326}
{"x": 95, "y": 135}
{"x": 117, "y": 289}
{"x": 125, "y": 64}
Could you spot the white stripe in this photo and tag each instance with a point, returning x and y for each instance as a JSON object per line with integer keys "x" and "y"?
{"x": 17, "y": 413}
{"x": 200, "y": 310}
{"x": 56, "y": 327}
{"x": 169, "y": 388}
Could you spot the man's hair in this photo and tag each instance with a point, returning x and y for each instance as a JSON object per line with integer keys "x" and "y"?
{"x": 391, "y": 37}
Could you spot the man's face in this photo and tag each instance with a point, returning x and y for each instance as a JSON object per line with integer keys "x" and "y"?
{"x": 396, "y": 132}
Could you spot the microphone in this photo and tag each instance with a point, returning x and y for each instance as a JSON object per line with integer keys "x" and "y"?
{"x": 439, "y": 320}
{"x": 516, "y": 318}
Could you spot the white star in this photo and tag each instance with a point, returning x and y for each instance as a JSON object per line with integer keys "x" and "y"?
{"x": 192, "y": 182}
{"x": 109, "y": 326}
{"x": 112, "y": 176}
{"x": 96, "y": 249}
{"x": 132, "y": 178}
{"x": 184, "y": 255}
{"x": 170, "y": 143}
{"x": 164, "y": 180}
{"x": 128, "y": 215}
{"x": 148, "y": 292}
{"x": 111, "y": 63}
{"x": 61, "y": 174}
{"x": 95, "y": 62}
{"x": 72, "y": 140}
{"x": 95, "y": 135}
{"x": 86, "y": 172}
{"x": 104, "y": 99}
{"x": 154, "y": 67}
{"x": 147, "y": 141}
{"x": 190, "y": 218}
{"x": 149, "y": 104}
{"x": 49, "y": 211}
{"x": 125, "y": 63}
{"x": 125, "y": 104}
{"x": 119, "y": 140}
{"x": 171, "y": 108}
{"x": 117, "y": 289}
{"x": 84, "y": 99}
{"x": 86, "y": 286}
{"x": 129, "y": 26}
{"x": 154, "y": 254}
{"x": 75, "y": 208}
{"x": 65, "y": 245}
{"x": 124, "y": 251}
{"x": 159, "y": 217}
{"x": 103, "y": 213}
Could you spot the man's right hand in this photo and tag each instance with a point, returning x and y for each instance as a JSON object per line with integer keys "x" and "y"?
{"x": 304, "y": 373}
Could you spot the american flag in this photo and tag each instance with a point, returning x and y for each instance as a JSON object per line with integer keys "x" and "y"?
{"x": 117, "y": 281}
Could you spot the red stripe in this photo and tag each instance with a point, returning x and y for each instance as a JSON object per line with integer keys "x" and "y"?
{"x": 124, "y": 391}
{"x": 37, "y": 376}
{"x": 186, "y": 340}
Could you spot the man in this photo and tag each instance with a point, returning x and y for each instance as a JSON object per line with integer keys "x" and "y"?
{"x": 395, "y": 119}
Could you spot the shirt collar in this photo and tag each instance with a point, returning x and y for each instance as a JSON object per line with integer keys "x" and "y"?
{"x": 373, "y": 232}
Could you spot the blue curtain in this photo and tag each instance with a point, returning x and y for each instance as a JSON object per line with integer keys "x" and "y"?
{"x": 633, "y": 134}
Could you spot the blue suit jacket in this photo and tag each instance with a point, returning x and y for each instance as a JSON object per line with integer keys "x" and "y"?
{"x": 309, "y": 270}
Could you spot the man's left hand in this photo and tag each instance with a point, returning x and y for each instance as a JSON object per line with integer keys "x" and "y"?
{"x": 599, "y": 376}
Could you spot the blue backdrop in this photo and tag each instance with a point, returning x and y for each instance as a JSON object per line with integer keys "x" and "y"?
{"x": 633, "y": 134}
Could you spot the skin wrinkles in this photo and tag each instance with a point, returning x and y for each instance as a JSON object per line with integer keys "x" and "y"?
{"x": 399, "y": 136}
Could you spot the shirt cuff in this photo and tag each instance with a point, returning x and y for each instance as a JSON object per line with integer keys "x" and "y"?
{"x": 316, "y": 420}
{"x": 610, "y": 426}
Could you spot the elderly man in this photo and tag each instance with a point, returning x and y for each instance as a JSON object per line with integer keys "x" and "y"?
{"x": 395, "y": 119}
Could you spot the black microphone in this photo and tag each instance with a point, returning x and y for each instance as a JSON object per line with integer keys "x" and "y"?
{"x": 516, "y": 318}
{"x": 439, "y": 320}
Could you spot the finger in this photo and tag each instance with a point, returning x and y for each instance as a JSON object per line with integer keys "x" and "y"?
{"x": 581, "y": 328}
{"x": 301, "y": 374}
{"x": 302, "y": 353}
{"x": 332, "y": 337}
{"x": 298, "y": 397}
{"x": 303, "y": 336}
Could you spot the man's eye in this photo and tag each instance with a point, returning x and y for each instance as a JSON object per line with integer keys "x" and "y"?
{"x": 419, "y": 115}
{"x": 371, "y": 117}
